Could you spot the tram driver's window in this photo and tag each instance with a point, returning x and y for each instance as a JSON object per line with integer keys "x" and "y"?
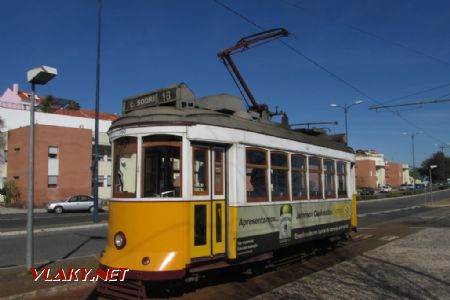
{"x": 124, "y": 168}
{"x": 315, "y": 178}
{"x": 162, "y": 169}
{"x": 256, "y": 179}
{"x": 200, "y": 170}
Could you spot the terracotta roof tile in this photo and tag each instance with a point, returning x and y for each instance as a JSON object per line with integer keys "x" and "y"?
{"x": 86, "y": 113}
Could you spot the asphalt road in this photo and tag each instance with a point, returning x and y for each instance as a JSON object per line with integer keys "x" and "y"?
{"x": 10, "y": 222}
{"x": 81, "y": 242}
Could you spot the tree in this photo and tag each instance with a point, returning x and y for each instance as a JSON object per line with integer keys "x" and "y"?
{"x": 73, "y": 105}
{"x": 442, "y": 172}
{"x": 46, "y": 104}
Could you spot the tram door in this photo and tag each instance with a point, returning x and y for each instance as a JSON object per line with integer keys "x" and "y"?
{"x": 207, "y": 211}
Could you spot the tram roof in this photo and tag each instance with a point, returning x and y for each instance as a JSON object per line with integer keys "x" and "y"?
{"x": 205, "y": 112}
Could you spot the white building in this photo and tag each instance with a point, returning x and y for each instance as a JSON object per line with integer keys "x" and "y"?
{"x": 14, "y": 111}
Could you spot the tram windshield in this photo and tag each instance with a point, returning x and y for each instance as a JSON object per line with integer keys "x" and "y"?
{"x": 161, "y": 166}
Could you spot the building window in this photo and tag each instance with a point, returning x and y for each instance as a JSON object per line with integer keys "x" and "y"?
{"x": 124, "y": 167}
{"x": 315, "y": 178}
{"x": 52, "y": 181}
{"x": 218, "y": 171}
{"x": 298, "y": 177}
{"x": 256, "y": 175}
{"x": 5, "y": 155}
{"x": 53, "y": 152}
{"x": 16, "y": 177}
{"x": 16, "y": 149}
{"x": 108, "y": 180}
{"x": 342, "y": 179}
{"x": 328, "y": 169}
{"x": 200, "y": 170}
{"x": 279, "y": 176}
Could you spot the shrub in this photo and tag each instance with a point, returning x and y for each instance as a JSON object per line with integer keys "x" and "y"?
{"x": 11, "y": 192}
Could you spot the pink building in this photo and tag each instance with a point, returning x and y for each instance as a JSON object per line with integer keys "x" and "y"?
{"x": 16, "y": 99}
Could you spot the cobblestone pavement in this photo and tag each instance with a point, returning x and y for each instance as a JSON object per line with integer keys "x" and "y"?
{"x": 413, "y": 267}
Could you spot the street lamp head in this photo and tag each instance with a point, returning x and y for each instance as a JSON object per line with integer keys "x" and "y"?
{"x": 404, "y": 133}
{"x": 358, "y": 102}
{"x": 433, "y": 166}
{"x": 41, "y": 75}
{"x": 333, "y": 105}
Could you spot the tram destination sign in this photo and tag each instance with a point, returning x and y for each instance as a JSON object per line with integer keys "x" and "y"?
{"x": 152, "y": 99}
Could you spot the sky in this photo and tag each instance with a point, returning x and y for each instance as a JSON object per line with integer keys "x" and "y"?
{"x": 375, "y": 51}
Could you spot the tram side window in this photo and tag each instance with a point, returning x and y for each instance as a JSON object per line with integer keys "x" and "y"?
{"x": 315, "y": 178}
{"x": 162, "y": 170}
{"x": 279, "y": 176}
{"x": 298, "y": 173}
{"x": 342, "y": 179}
{"x": 256, "y": 175}
{"x": 330, "y": 190}
{"x": 200, "y": 170}
{"x": 124, "y": 180}
{"x": 218, "y": 171}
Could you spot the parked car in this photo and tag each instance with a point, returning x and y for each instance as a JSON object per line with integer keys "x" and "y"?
{"x": 367, "y": 191}
{"x": 73, "y": 203}
{"x": 405, "y": 187}
{"x": 420, "y": 186}
{"x": 386, "y": 189}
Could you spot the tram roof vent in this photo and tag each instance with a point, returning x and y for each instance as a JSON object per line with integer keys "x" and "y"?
{"x": 179, "y": 95}
{"x": 224, "y": 103}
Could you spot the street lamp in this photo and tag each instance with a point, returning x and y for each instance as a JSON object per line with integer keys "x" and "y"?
{"x": 412, "y": 135}
{"x": 39, "y": 75}
{"x": 346, "y": 107}
{"x": 431, "y": 183}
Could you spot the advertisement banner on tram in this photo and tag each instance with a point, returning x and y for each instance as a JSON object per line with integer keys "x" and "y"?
{"x": 266, "y": 227}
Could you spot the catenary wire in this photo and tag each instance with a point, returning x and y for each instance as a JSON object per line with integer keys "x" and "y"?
{"x": 323, "y": 68}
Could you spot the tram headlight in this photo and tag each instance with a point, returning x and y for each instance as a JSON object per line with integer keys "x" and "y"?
{"x": 119, "y": 240}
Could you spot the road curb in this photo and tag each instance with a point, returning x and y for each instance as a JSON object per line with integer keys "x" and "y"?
{"x": 55, "y": 229}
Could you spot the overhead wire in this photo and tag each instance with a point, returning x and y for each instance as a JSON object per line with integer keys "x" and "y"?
{"x": 381, "y": 38}
{"x": 323, "y": 68}
{"x": 371, "y": 34}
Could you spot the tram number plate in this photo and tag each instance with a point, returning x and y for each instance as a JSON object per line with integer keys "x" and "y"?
{"x": 153, "y": 99}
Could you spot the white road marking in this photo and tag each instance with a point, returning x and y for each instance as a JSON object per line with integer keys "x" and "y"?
{"x": 362, "y": 236}
{"x": 388, "y": 211}
{"x": 388, "y": 238}
{"x": 42, "y": 230}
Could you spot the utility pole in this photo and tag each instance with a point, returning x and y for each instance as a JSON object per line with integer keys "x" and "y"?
{"x": 97, "y": 109}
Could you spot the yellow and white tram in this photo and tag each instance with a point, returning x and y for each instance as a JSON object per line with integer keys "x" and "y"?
{"x": 201, "y": 184}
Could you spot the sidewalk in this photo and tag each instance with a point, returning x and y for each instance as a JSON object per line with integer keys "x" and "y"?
{"x": 15, "y": 283}
{"x": 15, "y": 210}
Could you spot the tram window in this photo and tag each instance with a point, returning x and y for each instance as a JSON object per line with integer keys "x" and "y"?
{"x": 162, "y": 170}
{"x": 328, "y": 168}
{"x": 200, "y": 171}
{"x": 218, "y": 172}
{"x": 342, "y": 179}
{"x": 124, "y": 180}
{"x": 256, "y": 175}
{"x": 298, "y": 173}
{"x": 315, "y": 178}
{"x": 200, "y": 225}
{"x": 279, "y": 176}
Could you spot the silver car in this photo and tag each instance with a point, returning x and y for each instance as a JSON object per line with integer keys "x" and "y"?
{"x": 73, "y": 203}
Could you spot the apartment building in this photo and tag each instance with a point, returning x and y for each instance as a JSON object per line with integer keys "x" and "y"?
{"x": 14, "y": 111}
